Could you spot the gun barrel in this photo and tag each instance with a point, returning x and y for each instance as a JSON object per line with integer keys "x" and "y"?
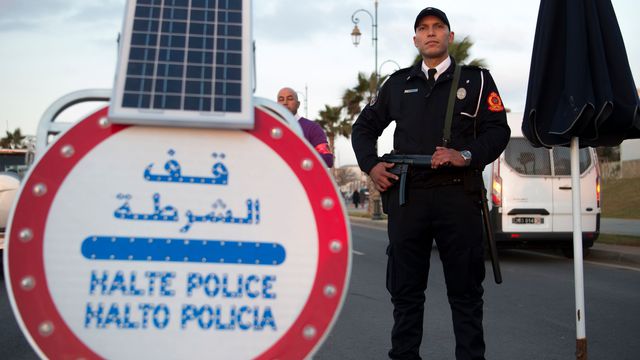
{"x": 414, "y": 160}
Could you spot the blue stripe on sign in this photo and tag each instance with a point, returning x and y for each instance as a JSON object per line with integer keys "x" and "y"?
{"x": 182, "y": 250}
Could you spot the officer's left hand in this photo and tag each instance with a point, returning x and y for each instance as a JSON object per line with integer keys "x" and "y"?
{"x": 446, "y": 157}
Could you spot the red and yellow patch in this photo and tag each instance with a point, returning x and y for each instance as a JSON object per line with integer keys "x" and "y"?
{"x": 495, "y": 103}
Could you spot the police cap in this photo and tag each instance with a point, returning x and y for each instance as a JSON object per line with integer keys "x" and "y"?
{"x": 433, "y": 12}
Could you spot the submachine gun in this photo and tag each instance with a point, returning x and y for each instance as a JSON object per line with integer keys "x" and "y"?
{"x": 401, "y": 168}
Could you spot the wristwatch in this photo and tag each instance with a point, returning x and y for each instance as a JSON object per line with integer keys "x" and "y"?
{"x": 466, "y": 155}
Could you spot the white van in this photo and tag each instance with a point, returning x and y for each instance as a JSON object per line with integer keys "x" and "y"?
{"x": 529, "y": 193}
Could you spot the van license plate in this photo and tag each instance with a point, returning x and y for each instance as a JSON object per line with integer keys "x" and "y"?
{"x": 527, "y": 220}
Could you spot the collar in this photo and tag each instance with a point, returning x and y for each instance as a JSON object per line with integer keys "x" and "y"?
{"x": 440, "y": 68}
{"x": 416, "y": 70}
{"x": 297, "y": 116}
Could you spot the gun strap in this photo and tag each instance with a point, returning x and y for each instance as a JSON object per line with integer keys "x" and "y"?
{"x": 446, "y": 136}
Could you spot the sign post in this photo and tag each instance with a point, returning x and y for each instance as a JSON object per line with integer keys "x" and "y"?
{"x": 156, "y": 242}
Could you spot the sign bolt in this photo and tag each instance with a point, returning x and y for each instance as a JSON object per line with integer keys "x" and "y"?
{"x": 104, "y": 123}
{"x": 27, "y": 283}
{"x": 276, "y": 133}
{"x": 39, "y": 189}
{"x": 25, "y": 235}
{"x": 330, "y": 291}
{"x": 327, "y": 203}
{"x": 67, "y": 151}
{"x": 335, "y": 246}
{"x": 46, "y": 328}
{"x": 307, "y": 164}
{"x": 309, "y": 332}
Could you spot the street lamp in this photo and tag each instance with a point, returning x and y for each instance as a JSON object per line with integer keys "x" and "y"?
{"x": 356, "y": 34}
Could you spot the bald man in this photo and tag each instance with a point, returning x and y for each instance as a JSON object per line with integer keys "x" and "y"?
{"x": 288, "y": 98}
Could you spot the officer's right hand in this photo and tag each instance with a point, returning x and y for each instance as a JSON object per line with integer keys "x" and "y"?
{"x": 381, "y": 176}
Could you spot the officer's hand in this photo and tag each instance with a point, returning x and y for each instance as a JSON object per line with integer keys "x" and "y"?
{"x": 446, "y": 157}
{"x": 381, "y": 176}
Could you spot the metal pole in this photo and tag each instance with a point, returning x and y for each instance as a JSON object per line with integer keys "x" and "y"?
{"x": 375, "y": 40}
{"x": 375, "y": 201}
{"x": 581, "y": 338}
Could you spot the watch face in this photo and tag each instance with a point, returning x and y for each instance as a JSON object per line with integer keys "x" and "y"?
{"x": 466, "y": 154}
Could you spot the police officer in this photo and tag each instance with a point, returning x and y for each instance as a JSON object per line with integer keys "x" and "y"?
{"x": 443, "y": 202}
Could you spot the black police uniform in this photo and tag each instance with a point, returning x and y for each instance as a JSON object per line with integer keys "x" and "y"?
{"x": 442, "y": 204}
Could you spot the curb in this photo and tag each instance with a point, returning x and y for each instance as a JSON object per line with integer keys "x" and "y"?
{"x": 615, "y": 254}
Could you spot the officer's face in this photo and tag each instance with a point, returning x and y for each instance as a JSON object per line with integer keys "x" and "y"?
{"x": 289, "y": 99}
{"x": 433, "y": 38}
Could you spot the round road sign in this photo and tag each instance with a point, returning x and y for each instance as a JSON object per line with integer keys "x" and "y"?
{"x": 151, "y": 242}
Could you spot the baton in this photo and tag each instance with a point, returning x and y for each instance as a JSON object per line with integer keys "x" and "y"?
{"x": 493, "y": 249}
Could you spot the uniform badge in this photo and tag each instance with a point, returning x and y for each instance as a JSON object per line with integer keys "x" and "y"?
{"x": 461, "y": 94}
{"x": 495, "y": 103}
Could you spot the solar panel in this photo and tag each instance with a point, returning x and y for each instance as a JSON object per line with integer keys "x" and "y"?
{"x": 185, "y": 63}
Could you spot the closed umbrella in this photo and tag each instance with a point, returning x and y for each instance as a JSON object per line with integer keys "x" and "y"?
{"x": 580, "y": 83}
{"x": 581, "y": 93}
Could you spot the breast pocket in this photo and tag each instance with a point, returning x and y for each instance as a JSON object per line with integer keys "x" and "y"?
{"x": 464, "y": 116}
{"x": 412, "y": 98}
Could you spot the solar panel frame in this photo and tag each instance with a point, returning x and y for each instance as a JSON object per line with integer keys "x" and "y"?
{"x": 185, "y": 63}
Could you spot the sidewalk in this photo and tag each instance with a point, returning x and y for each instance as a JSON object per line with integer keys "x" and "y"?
{"x": 611, "y": 254}
{"x": 620, "y": 226}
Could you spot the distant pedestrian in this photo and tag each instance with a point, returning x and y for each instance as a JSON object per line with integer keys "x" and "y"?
{"x": 355, "y": 198}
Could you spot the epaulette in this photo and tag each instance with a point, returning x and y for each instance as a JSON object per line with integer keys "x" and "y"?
{"x": 401, "y": 71}
{"x": 474, "y": 67}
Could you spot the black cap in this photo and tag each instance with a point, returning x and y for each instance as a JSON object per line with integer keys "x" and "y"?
{"x": 434, "y": 12}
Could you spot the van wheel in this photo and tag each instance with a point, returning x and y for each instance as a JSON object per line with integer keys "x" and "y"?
{"x": 568, "y": 252}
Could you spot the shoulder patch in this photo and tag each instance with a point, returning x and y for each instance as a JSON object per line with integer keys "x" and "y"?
{"x": 495, "y": 103}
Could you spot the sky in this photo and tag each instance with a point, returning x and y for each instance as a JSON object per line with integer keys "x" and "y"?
{"x": 54, "y": 47}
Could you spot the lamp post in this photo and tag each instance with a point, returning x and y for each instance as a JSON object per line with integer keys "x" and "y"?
{"x": 376, "y": 212}
{"x": 356, "y": 34}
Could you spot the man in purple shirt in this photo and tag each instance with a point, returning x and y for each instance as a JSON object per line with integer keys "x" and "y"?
{"x": 288, "y": 98}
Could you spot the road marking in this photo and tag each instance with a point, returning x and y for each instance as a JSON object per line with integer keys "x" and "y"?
{"x": 381, "y": 227}
{"x": 611, "y": 265}
{"x": 357, "y": 252}
{"x": 591, "y": 262}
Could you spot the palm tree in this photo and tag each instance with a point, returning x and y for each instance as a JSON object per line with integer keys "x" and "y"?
{"x": 333, "y": 124}
{"x": 459, "y": 50}
{"x": 13, "y": 140}
{"x": 364, "y": 91}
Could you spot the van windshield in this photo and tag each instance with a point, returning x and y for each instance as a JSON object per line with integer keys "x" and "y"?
{"x": 527, "y": 160}
{"x": 562, "y": 160}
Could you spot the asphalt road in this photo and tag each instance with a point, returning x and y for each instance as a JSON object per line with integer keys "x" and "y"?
{"x": 528, "y": 317}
